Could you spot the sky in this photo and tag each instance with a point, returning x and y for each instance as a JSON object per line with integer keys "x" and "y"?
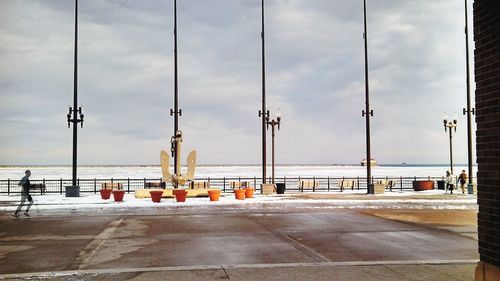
{"x": 314, "y": 78}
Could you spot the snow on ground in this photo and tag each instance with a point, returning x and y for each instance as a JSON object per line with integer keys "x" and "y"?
{"x": 433, "y": 199}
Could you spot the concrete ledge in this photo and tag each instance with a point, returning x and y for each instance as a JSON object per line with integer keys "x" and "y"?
{"x": 167, "y": 193}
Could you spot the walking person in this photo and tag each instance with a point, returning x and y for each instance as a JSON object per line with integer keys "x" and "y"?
{"x": 462, "y": 179}
{"x": 25, "y": 194}
{"x": 449, "y": 182}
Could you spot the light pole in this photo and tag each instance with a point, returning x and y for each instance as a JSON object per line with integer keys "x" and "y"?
{"x": 263, "y": 113}
{"x": 273, "y": 123}
{"x": 176, "y": 112}
{"x": 448, "y": 126}
{"x": 367, "y": 113}
{"x": 469, "y": 111}
{"x": 74, "y": 189}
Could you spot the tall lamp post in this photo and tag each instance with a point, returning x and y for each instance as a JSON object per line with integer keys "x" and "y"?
{"x": 263, "y": 113}
{"x": 273, "y": 123}
{"x": 469, "y": 111}
{"x": 367, "y": 113}
{"x": 176, "y": 112}
{"x": 75, "y": 115}
{"x": 448, "y": 126}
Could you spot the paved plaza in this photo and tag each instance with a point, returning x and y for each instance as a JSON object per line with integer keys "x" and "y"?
{"x": 262, "y": 241}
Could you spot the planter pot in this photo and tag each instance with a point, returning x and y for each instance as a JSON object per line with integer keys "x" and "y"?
{"x": 105, "y": 193}
{"x": 156, "y": 195}
{"x": 214, "y": 195}
{"x": 423, "y": 185}
{"x": 118, "y": 195}
{"x": 180, "y": 195}
{"x": 239, "y": 194}
{"x": 249, "y": 192}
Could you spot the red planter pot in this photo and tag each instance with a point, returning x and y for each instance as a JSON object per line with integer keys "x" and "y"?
{"x": 118, "y": 195}
{"x": 239, "y": 194}
{"x": 156, "y": 195}
{"x": 105, "y": 193}
{"x": 214, "y": 195}
{"x": 180, "y": 195}
{"x": 423, "y": 185}
{"x": 249, "y": 192}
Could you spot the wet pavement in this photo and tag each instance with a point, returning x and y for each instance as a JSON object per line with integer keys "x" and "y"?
{"x": 252, "y": 242}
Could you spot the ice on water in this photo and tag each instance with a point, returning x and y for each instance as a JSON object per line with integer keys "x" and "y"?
{"x": 217, "y": 171}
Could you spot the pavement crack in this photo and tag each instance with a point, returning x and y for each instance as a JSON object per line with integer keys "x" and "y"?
{"x": 95, "y": 245}
{"x": 225, "y": 272}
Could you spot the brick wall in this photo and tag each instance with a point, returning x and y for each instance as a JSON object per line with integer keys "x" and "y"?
{"x": 487, "y": 77}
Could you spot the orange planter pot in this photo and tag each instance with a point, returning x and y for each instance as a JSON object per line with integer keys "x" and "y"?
{"x": 118, "y": 195}
{"x": 180, "y": 195}
{"x": 423, "y": 185}
{"x": 156, "y": 195}
{"x": 214, "y": 195}
{"x": 249, "y": 192}
{"x": 105, "y": 193}
{"x": 239, "y": 194}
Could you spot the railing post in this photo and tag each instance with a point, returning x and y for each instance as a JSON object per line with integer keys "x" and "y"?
{"x": 328, "y": 182}
{"x": 128, "y": 185}
{"x": 8, "y": 186}
{"x": 224, "y": 184}
{"x": 95, "y": 185}
{"x": 401, "y": 182}
{"x": 60, "y": 187}
{"x": 357, "y": 179}
{"x": 41, "y": 189}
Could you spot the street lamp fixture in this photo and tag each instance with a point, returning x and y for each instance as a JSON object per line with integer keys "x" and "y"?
{"x": 273, "y": 123}
{"x": 448, "y": 126}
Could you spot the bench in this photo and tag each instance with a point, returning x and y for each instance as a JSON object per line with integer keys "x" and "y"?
{"x": 199, "y": 184}
{"x": 149, "y": 185}
{"x": 388, "y": 183}
{"x": 112, "y": 185}
{"x": 39, "y": 186}
{"x": 309, "y": 184}
{"x": 239, "y": 184}
{"x": 346, "y": 184}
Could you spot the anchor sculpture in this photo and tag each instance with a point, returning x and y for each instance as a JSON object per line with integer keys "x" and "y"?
{"x": 177, "y": 179}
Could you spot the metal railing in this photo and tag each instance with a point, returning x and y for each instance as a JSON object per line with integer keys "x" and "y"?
{"x": 291, "y": 183}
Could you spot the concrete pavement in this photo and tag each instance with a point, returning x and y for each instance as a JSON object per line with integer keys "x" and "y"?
{"x": 252, "y": 242}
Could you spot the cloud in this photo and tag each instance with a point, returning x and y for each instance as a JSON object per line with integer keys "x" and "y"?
{"x": 314, "y": 75}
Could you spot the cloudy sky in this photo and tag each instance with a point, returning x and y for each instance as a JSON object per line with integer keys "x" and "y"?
{"x": 315, "y": 76}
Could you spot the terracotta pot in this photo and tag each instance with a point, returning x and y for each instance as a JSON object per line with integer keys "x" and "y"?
{"x": 249, "y": 192}
{"x": 214, "y": 195}
{"x": 118, "y": 195}
{"x": 180, "y": 195}
{"x": 423, "y": 185}
{"x": 239, "y": 194}
{"x": 105, "y": 193}
{"x": 156, "y": 195}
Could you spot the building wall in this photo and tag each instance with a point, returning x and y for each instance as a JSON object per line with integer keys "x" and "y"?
{"x": 487, "y": 77}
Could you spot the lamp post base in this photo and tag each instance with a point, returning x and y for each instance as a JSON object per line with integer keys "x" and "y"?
{"x": 72, "y": 191}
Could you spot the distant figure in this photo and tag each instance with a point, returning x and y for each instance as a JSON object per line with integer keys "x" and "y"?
{"x": 449, "y": 182}
{"x": 462, "y": 180}
{"x": 25, "y": 194}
